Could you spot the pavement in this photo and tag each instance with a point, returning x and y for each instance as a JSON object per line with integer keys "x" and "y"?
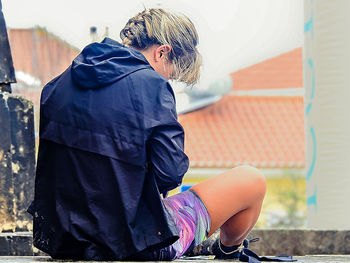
{"x": 201, "y": 259}
{"x": 307, "y": 246}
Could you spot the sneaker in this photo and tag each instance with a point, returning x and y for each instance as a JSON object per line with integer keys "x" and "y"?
{"x": 235, "y": 253}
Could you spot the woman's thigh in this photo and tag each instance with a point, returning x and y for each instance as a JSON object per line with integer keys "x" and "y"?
{"x": 231, "y": 192}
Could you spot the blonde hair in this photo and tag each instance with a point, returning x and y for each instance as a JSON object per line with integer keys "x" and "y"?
{"x": 158, "y": 27}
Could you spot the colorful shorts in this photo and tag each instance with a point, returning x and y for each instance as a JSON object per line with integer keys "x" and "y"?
{"x": 192, "y": 220}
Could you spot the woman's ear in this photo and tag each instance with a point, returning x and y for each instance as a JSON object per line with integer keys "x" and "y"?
{"x": 161, "y": 51}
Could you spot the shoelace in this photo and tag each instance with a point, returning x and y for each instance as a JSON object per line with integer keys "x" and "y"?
{"x": 247, "y": 255}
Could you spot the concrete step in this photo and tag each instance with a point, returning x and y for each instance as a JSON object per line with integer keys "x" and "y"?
{"x": 272, "y": 242}
{"x": 201, "y": 259}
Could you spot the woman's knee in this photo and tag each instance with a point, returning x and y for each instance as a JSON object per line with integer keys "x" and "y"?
{"x": 254, "y": 177}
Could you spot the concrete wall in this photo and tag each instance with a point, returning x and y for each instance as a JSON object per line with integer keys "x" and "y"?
{"x": 17, "y": 162}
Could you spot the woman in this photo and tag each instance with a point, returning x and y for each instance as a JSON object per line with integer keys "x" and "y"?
{"x": 111, "y": 145}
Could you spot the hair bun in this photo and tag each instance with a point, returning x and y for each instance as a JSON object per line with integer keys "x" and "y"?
{"x": 157, "y": 26}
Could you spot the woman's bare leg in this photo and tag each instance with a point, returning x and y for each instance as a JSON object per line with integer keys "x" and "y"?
{"x": 233, "y": 200}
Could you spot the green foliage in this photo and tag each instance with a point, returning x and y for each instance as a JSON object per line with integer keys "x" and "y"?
{"x": 291, "y": 199}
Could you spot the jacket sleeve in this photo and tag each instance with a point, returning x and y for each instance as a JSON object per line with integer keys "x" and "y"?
{"x": 166, "y": 157}
{"x": 167, "y": 161}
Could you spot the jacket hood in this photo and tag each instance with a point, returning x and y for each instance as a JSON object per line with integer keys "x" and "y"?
{"x": 100, "y": 64}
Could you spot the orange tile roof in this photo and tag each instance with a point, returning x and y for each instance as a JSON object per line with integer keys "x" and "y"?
{"x": 283, "y": 71}
{"x": 256, "y": 130}
{"x": 39, "y": 53}
{"x": 263, "y": 131}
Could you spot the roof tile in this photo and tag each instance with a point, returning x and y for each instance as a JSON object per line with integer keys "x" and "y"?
{"x": 260, "y": 130}
{"x": 39, "y": 53}
{"x": 283, "y": 71}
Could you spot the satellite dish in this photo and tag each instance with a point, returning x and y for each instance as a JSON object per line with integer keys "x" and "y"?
{"x": 203, "y": 94}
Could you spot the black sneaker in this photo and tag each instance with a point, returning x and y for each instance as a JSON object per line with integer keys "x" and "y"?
{"x": 223, "y": 253}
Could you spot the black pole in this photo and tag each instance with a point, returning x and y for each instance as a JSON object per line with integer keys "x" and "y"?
{"x": 7, "y": 72}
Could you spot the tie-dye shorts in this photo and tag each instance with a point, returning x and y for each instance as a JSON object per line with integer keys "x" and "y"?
{"x": 192, "y": 219}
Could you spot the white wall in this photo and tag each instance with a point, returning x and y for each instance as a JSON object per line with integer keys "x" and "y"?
{"x": 327, "y": 108}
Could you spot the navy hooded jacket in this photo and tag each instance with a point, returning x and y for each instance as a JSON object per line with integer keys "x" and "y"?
{"x": 110, "y": 143}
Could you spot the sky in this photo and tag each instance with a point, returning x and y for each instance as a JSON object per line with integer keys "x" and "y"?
{"x": 233, "y": 34}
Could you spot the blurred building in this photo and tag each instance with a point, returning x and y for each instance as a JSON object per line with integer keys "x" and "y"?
{"x": 259, "y": 123}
